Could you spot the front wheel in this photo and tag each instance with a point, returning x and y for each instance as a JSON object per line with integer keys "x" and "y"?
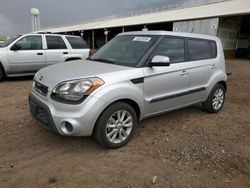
{"x": 116, "y": 125}
{"x": 215, "y": 100}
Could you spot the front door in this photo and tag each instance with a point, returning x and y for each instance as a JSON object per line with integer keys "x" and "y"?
{"x": 29, "y": 57}
{"x": 166, "y": 87}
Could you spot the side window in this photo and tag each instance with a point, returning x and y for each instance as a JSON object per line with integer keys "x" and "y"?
{"x": 77, "y": 43}
{"x": 172, "y": 48}
{"x": 30, "y": 43}
{"x": 198, "y": 49}
{"x": 55, "y": 42}
{"x": 213, "y": 49}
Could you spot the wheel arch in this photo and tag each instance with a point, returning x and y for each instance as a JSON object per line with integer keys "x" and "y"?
{"x": 224, "y": 84}
{"x": 218, "y": 77}
{"x": 133, "y": 104}
{"x": 130, "y": 102}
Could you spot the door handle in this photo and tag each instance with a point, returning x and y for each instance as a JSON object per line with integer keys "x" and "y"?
{"x": 213, "y": 67}
{"x": 39, "y": 53}
{"x": 184, "y": 73}
{"x": 65, "y": 52}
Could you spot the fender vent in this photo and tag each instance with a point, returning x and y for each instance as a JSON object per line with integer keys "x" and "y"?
{"x": 137, "y": 80}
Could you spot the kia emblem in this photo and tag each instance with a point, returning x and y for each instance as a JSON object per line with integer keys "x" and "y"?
{"x": 41, "y": 77}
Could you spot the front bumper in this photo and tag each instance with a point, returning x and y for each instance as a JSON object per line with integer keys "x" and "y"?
{"x": 54, "y": 116}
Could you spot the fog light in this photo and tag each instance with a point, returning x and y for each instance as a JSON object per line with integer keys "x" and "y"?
{"x": 67, "y": 128}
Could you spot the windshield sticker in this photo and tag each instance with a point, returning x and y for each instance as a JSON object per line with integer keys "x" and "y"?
{"x": 142, "y": 39}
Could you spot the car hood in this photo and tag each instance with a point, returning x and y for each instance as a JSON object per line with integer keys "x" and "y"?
{"x": 54, "y": 74}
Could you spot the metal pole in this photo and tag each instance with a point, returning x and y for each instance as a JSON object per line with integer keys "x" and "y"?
{"x": 123, "y": 29}
{"x": 39, "y": 24}
{"x": 35, "y": 21}
{"x": 106, "y": 38}
{"x": 32, "y": 23}
{"x": 81, "y": 33}
{"x": 93, "y": 39}
{"x": 145, "y": 28}
{"x": 106, "y": 35}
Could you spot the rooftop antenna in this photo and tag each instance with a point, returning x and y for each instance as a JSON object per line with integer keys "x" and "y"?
{"x": 35, "y": 19}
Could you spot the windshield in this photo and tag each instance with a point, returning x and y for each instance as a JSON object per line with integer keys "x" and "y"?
{"x": 124, "y": 50}
{"x": 9, "y": 41}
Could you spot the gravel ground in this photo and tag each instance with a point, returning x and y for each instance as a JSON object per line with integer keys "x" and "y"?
{"x": 185, "y": 148}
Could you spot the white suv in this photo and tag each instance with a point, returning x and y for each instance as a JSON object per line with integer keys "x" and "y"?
{"x": 25, "y": 54}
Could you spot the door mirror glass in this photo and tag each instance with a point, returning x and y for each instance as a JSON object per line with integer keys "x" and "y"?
{"x": 160, "y": 60}
{"x": 16, "y": 47}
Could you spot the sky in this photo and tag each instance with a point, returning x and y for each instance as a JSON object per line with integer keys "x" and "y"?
{"x": 15, "y": 15}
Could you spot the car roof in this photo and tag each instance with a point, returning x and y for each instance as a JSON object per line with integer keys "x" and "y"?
{"x": 51, "y": 34}
{"x": 170, "y": 33}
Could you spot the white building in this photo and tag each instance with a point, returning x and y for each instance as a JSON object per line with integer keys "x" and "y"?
{"x": 227, "y": 19}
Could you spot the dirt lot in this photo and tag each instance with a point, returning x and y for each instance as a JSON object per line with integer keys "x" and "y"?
{"x": 186, "y": 148}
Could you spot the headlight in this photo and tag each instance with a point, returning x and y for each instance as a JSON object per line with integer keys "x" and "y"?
{"x": 76, "y": 90}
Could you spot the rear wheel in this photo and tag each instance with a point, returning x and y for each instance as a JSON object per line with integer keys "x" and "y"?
{"x": 215, "y": 100}
{"x": 116, "y": 125}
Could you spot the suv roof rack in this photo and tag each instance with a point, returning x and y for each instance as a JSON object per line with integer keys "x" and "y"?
{"x": 43, "y": 32}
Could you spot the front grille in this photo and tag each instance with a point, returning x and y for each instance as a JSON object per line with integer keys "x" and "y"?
{"x": 41, "y": 114}
{"x": 40, "y": 88}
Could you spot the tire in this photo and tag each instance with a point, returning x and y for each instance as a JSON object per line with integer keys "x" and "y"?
{"x": 109, "y": 132}
{"x": 215, "y": 100}
{"x": 1, "y": 74}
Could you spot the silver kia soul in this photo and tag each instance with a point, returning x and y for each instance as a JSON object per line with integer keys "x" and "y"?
{"x": 135, "y": 76}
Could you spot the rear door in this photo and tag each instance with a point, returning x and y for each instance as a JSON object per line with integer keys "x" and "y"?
{"x": 29, "y": 58}
{"x": 57, "y": 51}
{"x": 166, "y": 87}
{"x": 203, "y": 63}
{"x": 79, "y": 47}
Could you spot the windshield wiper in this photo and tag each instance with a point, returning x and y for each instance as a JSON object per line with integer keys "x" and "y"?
{"x": 102, "y": 60}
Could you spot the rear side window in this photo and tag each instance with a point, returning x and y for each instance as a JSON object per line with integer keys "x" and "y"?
{"x": 213, "y": 49}
{"x": 172, "y": 48}
{"x": 199, "y": 49}
{"x": 77, "y": 43}
{"x": 55, "y": 42}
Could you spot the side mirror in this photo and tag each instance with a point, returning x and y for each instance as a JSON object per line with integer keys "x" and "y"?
{"x": 160, "y": 60}
{"x": 16, "y": 47}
